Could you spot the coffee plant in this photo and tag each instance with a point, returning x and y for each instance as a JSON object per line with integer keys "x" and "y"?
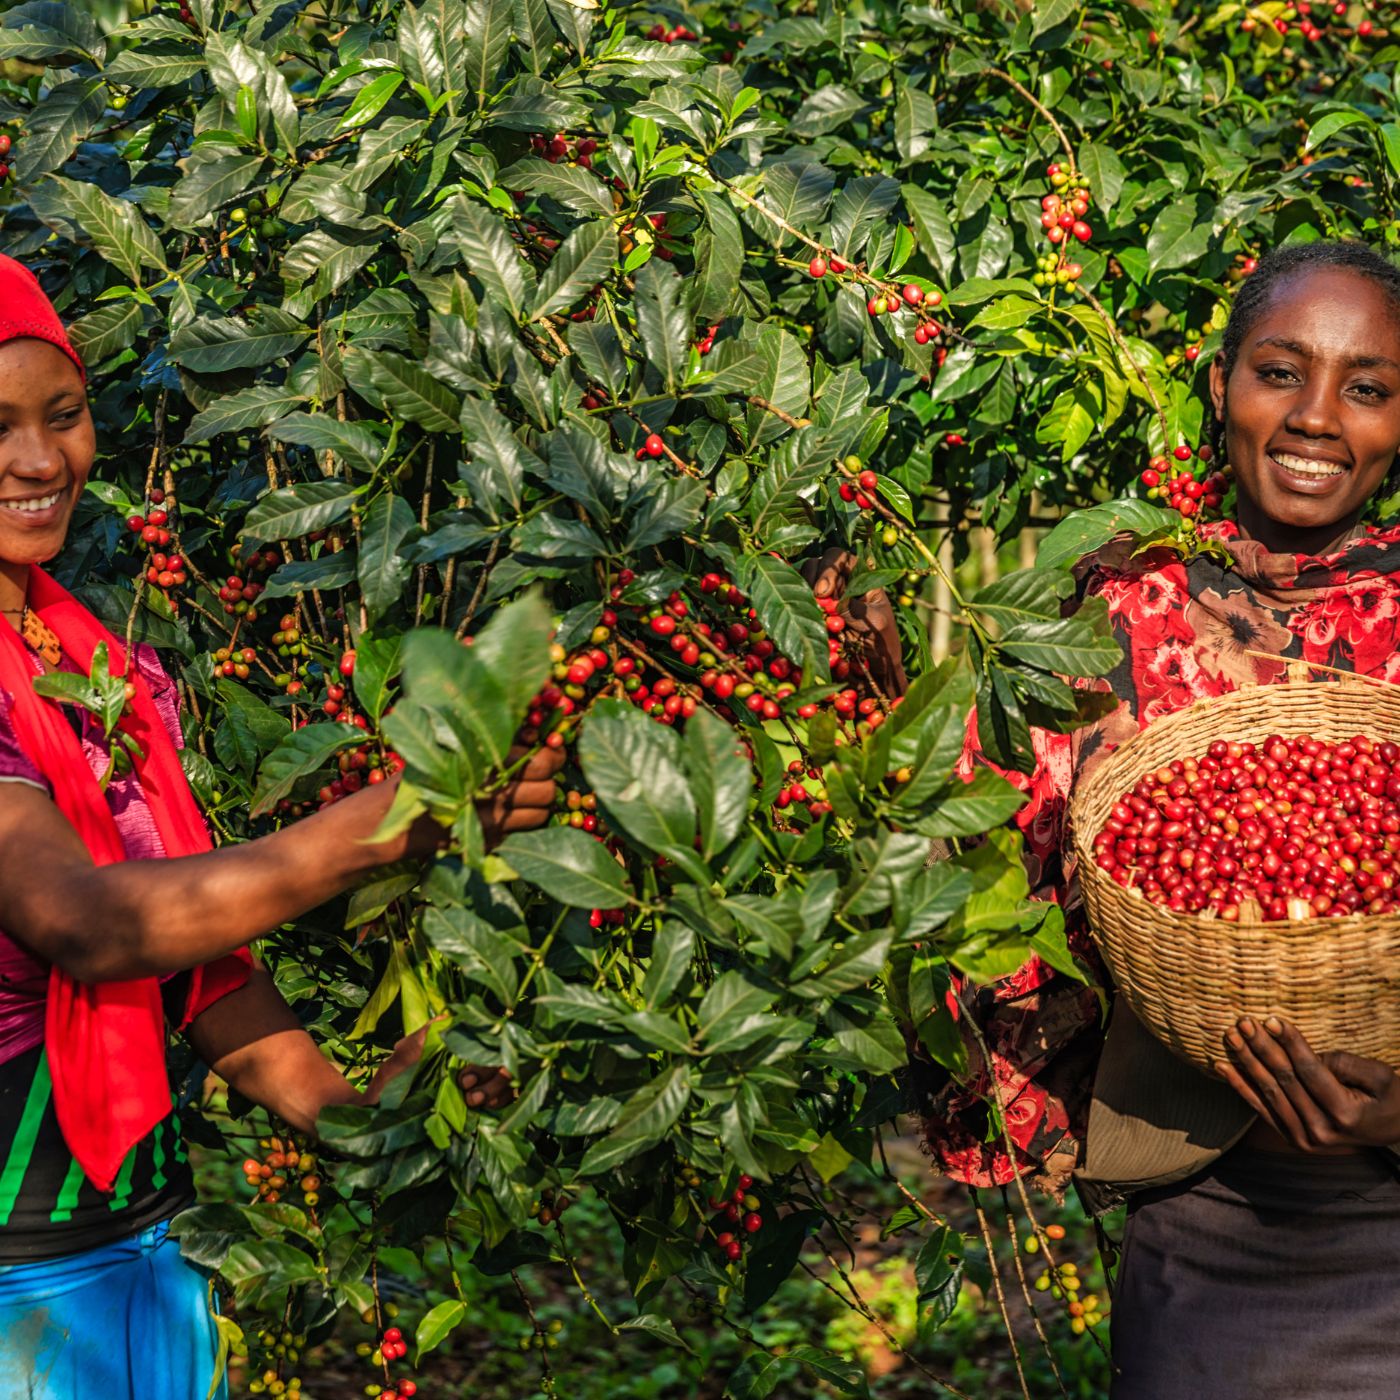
{"x": 479, "y": 366}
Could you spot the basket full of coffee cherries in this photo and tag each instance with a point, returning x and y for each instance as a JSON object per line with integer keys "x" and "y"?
{"x": 1242, "y": 857}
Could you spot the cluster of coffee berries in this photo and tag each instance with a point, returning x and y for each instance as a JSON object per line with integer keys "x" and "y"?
{"x": 577, "y": 149}
{"x": 864, "y": 490}
{"x": 706, "y": 343}
{"x": 680, "y": 33}
{"x": 887, "y": 300}
{"x": 1063, "y": 1283}
{"x": 1302, "y": 827}
{"x": 235, "y": 662}
{"x": 665, "y": 239}
{"x": 1189, "y": 495}
{"x": 390, "y": 1347}
{"x": 804, "y": 781}
{"x": 652, "y": 446}
{"x": 6, "y": 146}
{"x": 163, "y": 570}
{"x": 544, "y": 1338}
{"x": 284, "y": 1161}
{"x": 291, "y": 647}
{"x": 595, "y": 398}
{"x": 257, "y": 216}
{"x": 275, "y": 1351}
{"x": 187, "y": 16}
{"x": 358, "y": 767}
{"x": 550, "y": 1207}
{"x": 1242, "y": 267}
{"x": 238, "y": 594}
{"x": 1055, "y": 270}
{"x": 1062, "y": 211}
{"x": 737, "y": 1217}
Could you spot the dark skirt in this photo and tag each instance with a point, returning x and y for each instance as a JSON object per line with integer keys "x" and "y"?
{"x": 1268, "y": 1275}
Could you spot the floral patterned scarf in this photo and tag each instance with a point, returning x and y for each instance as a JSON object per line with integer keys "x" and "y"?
{"x": 1187, "y": 630}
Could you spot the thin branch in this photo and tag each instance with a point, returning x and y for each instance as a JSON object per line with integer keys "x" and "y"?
{"x": 1111, "y": 327}
{"x": 1039, "y": 107}
{"x": 486, "y": 568}
{"x": 995, "y": 1268}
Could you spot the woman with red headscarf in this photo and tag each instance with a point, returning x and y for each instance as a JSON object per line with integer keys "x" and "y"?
{"x": 100, "y": 957}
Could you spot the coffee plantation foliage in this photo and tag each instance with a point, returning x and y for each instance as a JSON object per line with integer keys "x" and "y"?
{"x": 495, "y": 322}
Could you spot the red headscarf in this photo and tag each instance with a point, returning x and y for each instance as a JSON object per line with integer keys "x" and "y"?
{"x": 26, "y": 311}
{"x": 105, "y": 1042}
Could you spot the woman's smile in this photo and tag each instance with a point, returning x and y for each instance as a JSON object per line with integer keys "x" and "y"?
{"x": 1308, "y": 470}
{"x": 37, "y": 512}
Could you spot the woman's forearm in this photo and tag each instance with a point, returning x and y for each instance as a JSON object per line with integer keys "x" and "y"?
{"x": 149, "y": 918}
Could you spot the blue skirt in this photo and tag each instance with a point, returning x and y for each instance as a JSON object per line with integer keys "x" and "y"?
{"x": 129, "y": 1319}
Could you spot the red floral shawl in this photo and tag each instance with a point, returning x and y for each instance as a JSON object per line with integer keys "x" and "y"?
{"x": 1187, "y": 631}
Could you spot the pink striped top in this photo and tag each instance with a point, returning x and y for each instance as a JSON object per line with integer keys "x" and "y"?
{"x": 24, "y": 978}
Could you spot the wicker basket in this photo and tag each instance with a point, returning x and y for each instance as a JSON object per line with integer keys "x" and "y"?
{"x": 1188, "y": 978}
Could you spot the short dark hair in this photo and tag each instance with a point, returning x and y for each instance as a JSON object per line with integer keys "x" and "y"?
{"x": 1255, "y": 291}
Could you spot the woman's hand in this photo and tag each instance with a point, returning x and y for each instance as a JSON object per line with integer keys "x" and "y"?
{"x": 482, "y": 1088}
{"x": 526, "y": 801}
{"x": 1315, "y": 1102}
{"x": 869, "y": 618}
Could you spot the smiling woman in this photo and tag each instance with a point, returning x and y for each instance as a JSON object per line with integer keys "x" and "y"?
{"x": 1306, "y": 392}
{"x": 95, "y": 975}
{"x": 1264, "y": 1205}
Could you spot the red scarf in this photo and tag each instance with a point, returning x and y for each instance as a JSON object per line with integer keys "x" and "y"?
{"x": 106, "y": 1042}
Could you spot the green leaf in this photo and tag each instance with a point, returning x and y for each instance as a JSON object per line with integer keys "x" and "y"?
{"x": 377, "y": 664}
{"x": 721, "y": 780}
{"x": 490, "y": 255}
{"x": 114, "y": 227}
{"x": 577, "y": 189}
{"x": 141, "y": 68}
{"x": 633, "y": 764}
{"x": 669, "y": 510}
{"x": 382, "y": 568}
{"x": 788, "y": 611}
{"x": 248, "y": 408}
{"x": 487, "y": 34}
{"x": 660, "y": 1329}
{"x": 967, "y": 809}
{"x": 410, "y": 392}
{"x": 437, "y": 1325}
{"x": 569, "y": 864}
{"x": 66, "y": 116}
{"x": 302, "y": 753}
{"x": 583, "y": 260}
{"x": 212, "y": 179}
{"x": 719, "y": 258}
{"x": 1332, "y": 123}
{"x": 1025, "y": 595}
{"x": 647, "y": 1117}
{"x": 734, "y": 1013}
{"x": 662, "y": 321}
{"x": 1104, "y": 172}
{"x": 1081, "y": 645}
{"x": 371, "y": 99}
{"x": 352, "y": 443}
{"x": 1084, "y": 531}
{"x": 932, "y": 225}
{"x": 792, "y": 473}
{"x": 210, "y": 345}
{"x": 862, "y": 203}
{"x": 1178, "y": 237}
{"x": 102, "y": 333}
{"x": 293, "y": 511}
{"x": 431, "y": 45}
{"x": 783, "y": 379}
{"x": 1051, "y": 13}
